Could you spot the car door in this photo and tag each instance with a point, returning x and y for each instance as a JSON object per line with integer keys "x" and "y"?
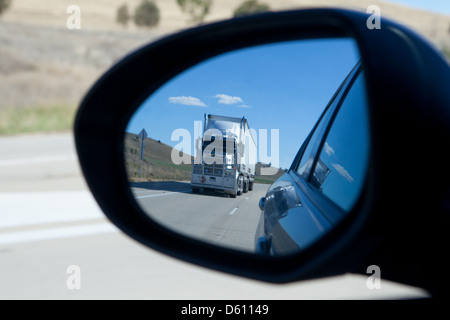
{"x": 327, "y": 177}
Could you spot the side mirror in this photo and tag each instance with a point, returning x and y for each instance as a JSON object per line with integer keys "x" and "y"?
{"x": 283, "y": 62}
{"x": 261, "y": 203}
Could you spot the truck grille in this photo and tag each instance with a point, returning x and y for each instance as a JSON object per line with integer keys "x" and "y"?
{"x": 214, "y": 170}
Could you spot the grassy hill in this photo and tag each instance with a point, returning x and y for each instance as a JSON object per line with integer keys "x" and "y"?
{"x": 101, "y": 14}
{"x": 157, "y": 164}
{"x": 45, "y": 68}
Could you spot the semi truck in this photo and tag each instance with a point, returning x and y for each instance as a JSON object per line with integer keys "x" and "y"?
{"x": 225, "y": 157}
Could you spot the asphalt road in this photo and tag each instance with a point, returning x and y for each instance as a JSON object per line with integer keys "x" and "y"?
{"x": 210, "y": 216}
{"x": 36, "y": 163}
{"x": 55, "y": 242}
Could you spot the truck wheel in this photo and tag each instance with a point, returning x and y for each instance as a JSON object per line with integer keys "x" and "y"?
{"x": 195, "y": 190}
{"x": 250, "y": 186}
{"x": 240, "y": 185}
{"x": 245, "y": 187}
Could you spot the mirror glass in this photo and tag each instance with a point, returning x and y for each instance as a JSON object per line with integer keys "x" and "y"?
{"x": 208, "y": 154}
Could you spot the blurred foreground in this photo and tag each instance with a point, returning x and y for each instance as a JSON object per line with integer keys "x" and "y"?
{"x": 50, "y": 224}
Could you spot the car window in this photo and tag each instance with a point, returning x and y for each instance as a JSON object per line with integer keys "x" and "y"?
{"x": 341, "y": 167}
{"x": 307, "y": 159}
{"x": 308, "y": 155}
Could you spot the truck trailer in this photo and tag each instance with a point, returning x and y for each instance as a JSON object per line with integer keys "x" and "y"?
{"x": 225, "y": 156}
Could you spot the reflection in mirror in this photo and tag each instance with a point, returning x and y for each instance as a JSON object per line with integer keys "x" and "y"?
{"x": 208, "y": 154}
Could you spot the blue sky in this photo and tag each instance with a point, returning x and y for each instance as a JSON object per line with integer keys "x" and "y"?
{"x": 283, "y": 86}
{"x": 439, "y": 6}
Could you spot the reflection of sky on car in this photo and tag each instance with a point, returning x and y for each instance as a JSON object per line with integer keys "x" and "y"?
{"x": 346, "y": 150}
{"x": 282, "y": 86}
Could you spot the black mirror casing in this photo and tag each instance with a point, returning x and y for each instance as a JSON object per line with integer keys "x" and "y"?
{"x": 399, "y": 222}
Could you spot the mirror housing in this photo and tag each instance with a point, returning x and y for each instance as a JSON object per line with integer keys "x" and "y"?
{"x": 261, "y": 203}
{"x": 407, "y": 83}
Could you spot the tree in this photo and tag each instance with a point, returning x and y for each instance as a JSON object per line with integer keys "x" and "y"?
{"x": 123, "y": 15}
{"x": 250, "y": 7}
{"x": 197, "y": 9}
{"x": 4, "y": 4}
{"x": 146, "y": 14}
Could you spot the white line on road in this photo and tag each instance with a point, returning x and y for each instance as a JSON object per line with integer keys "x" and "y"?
{"x": 232, "y": 211}
{"x": 161, "y": 194}
{"x": 56, "y": 233}
{"x": 145, "y": 191}
{"x": 31, "y": 208}
{"x": 46, "y": 159}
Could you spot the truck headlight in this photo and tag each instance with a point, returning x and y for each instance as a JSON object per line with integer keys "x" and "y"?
{"x": 229, "y": 172}
{"x": 197, "y": 169}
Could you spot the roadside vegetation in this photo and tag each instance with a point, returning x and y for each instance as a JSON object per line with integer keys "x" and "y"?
{"x": 156, "y": 163}
{"x": 44, "y": 71}
{"x": 250, "y": 7}
{"x": 196, "y": 9}
{"x": 158, "y": 166}
{"x": 4, "y": 5}
{"x": 36, "y": 119}
{"x": 446, "y": 51}
{"x": 145, "y": 15}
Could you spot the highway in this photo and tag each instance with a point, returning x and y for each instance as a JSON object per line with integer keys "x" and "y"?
{"x": 55, "y": 242}
{"x": 210, "y": 216}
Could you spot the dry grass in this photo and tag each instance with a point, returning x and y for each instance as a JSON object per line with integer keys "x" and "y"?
{"x": 100, "y": 15}
{"x": 42, "y": 63}
{"x": 49, "y": 66}
{"x": 50, "y": 69}
{"x": 36, "y": 119}
{"x": 156, "y": 164}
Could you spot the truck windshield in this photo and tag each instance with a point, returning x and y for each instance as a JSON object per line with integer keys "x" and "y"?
{"x": 228, "y": 150}
{"x": 226, "y": 127}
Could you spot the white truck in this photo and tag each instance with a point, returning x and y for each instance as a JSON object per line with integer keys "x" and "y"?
{"x": 225, "y": 156}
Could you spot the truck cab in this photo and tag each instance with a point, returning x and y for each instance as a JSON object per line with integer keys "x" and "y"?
{"x": 224, "y": 161}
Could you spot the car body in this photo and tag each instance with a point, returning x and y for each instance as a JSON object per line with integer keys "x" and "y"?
{"x": 301, "y": 206}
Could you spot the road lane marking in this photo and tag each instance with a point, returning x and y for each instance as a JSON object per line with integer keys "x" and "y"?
{"x": 161, "y": 194}
{"x": 141, "y": 190}
{"x": 43, "y": 159}
{"x": 146, "y": 191}
{"x": 246, "y": 198}
{"x": 33, "y": 208}
{"x": 232, "y": 211}
{"x": 56, "y": 233}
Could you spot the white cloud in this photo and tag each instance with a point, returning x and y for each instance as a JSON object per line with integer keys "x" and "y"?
{"x": 244, "y": 106}
{"x": 328, "y": 150}
{"x": 226, "y": 99}
{"x": 341, "y": 170}
{"x": 188, "y": 101}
